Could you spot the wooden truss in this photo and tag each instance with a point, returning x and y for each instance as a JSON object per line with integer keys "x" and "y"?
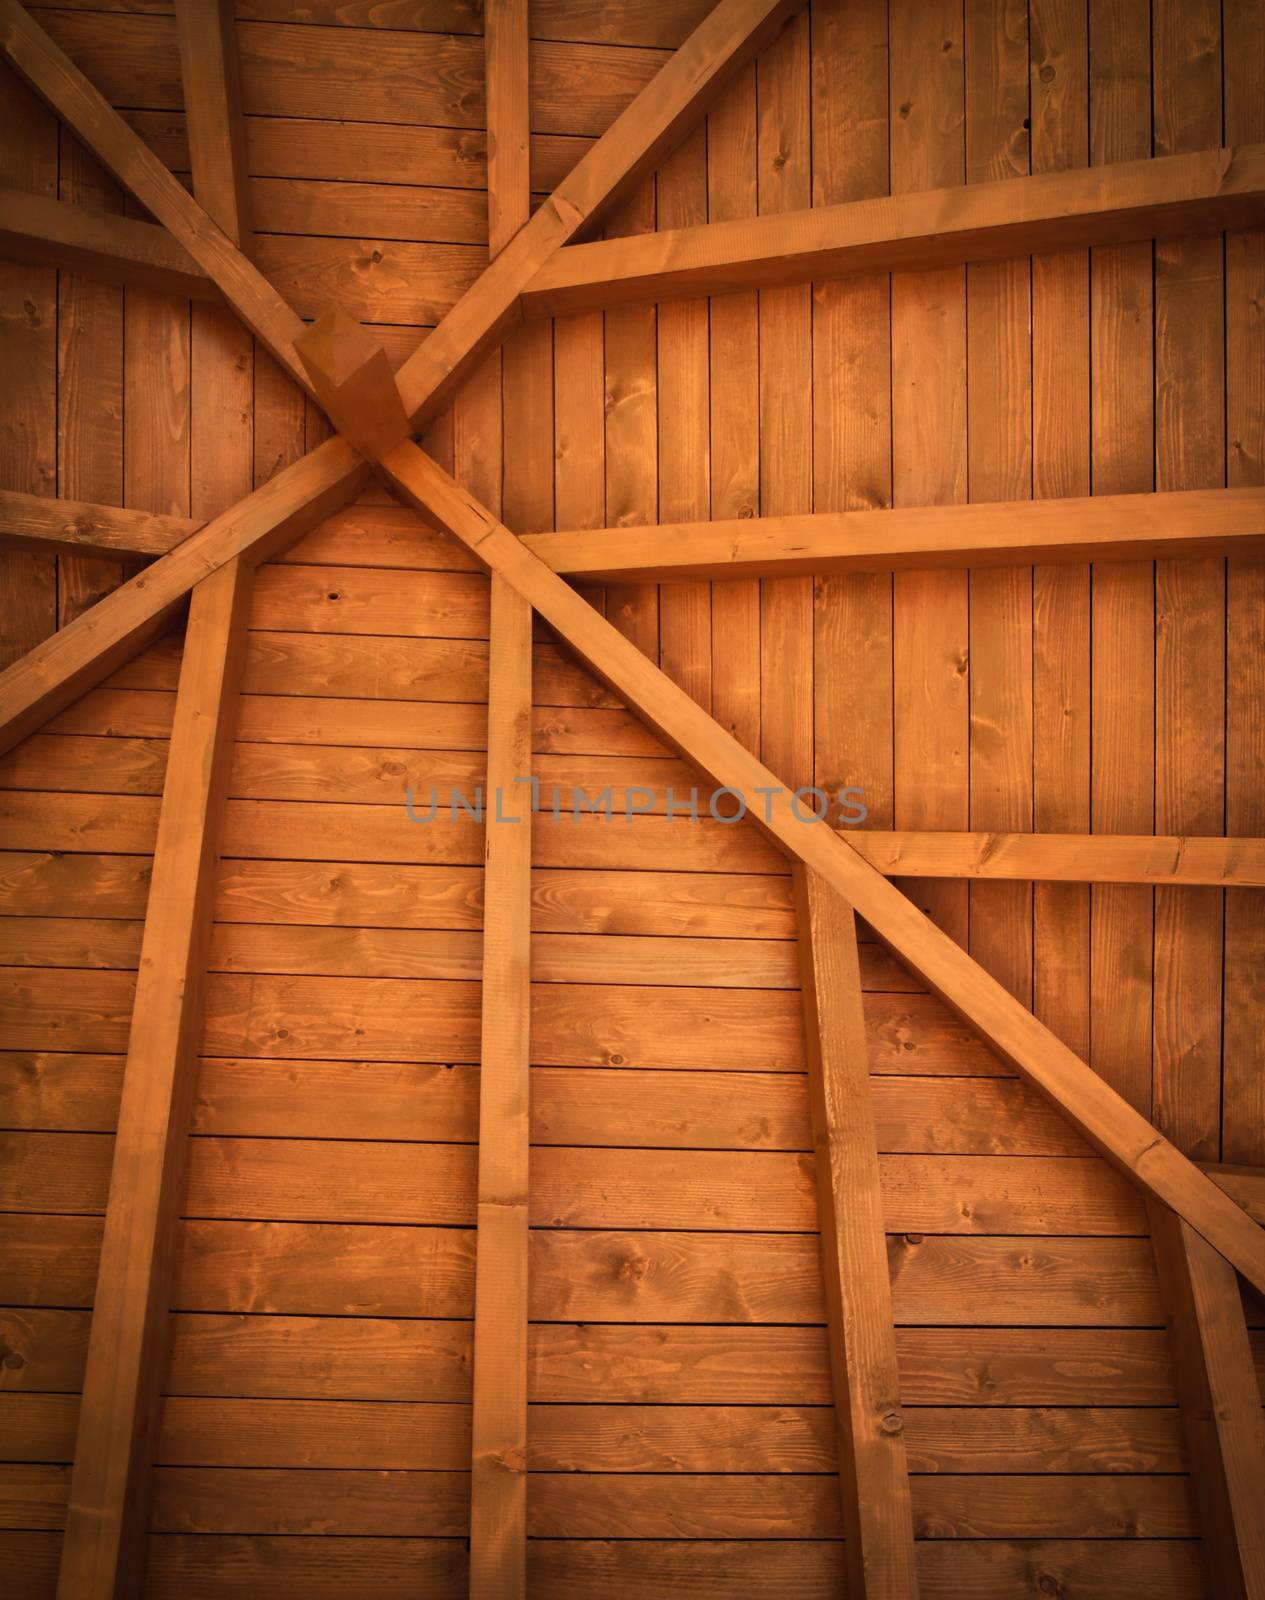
{"x": 1205, "y": 1223}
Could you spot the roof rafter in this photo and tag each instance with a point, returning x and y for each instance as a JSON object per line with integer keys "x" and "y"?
{"x": 1107, "y": 1120}
{"x": 1158, "y": 197}
{"x": 1118, "y": 527}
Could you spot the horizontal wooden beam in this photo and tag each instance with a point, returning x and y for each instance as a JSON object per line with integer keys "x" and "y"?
{"x": 1201, "y": 192}
{"x": 98, "y": 244}
{"x": 107, "y": 137}
{"x": 65, "y": 526}
{"x": 1116, "y": 527}
{"x": 1104, "y": 1117}
{"x": 1064, "y": 857}
{"x": 81, "y": 654}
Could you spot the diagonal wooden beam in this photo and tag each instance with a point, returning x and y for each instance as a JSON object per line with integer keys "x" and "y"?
{"x": 99, "y": 244}
{"x": 873, "y": 1474}
{"x": 1202, "y": 192}
{"x": 729, "y": 36}
{"x": 1220, "y": 1402}
{"x": 105, "y": 1526}
{"x": 498, "y": 1480}
{"x": 80, "y": 655}
{"x": 1106, "y": 1120}
{"x": 211, "y": 80}
{"x": 1064, "y": 857}
{"x": 57, "y": 80}
{"x": 64, "y": 526}
{"x": 1116, "y": 527}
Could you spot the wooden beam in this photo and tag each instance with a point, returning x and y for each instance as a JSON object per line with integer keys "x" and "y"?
{"x": 730, "y": 35}
{"x": 1107, "y": 1120}
{"x": 1199, "y": 193}
{"x": 99, "y": 244}
{"x": 352, "y": 379}
{"x": 498, "y": 1484}
{"x": 1246, "y": 1185}
{"x": 1064, "y": 857}
{"x": 873, "y": 1473}
{"x": 106, "y": 1520}
{"x": 57, "y": 80}
{"x": 211, "y": 81}
{"x": 81, "y": 654}
{"x": 509, "y": 176}
{"x": 30, "y": 522}
{"x": 1120, "y": 527}
{"x": 1220, "y": 1402}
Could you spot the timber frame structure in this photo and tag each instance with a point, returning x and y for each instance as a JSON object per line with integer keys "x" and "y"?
{"x": 590, "y": 1201}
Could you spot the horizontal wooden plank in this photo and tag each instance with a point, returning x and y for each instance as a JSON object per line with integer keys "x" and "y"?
{"x": 451, "y": 605}
{"x": 70, "y": 942}
{"x": 38, "y": 1427}
{"x": 1201, "y": 192}
{"x": 372, "y": 280}
{"x": 52, "y": 1010}
{"x": 244, "y": 1568}
{"x": 433, "y": 1184}
{"x": 41, "y": 883}
{"x": 1103, "y": 528}
{"x": 33, "y": 1496}
{"x": 85, "y": 764}
{"x": 32, "y": 522}
{"x": 224, "y": 1500}
{"x": 30, "y": 1560}
{"x": 1070, "y": 858}
{"x": 350, "y": 210}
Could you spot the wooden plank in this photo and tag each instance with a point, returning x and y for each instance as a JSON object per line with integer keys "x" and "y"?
{"x": 1199, "y": 192}
{"x": 30, "y": 522}
{"x": 1122, "y": 619}
{"x": 114, "y": 248}
{"x": 509, "y": 180}
{"x": 1067, "y": 857}
{"x": 498, "y": 1504}
{"x": 1220, "y": 1401}
{"x": 50, "y": 677}
{"x": 874, "y": 1481}
{"x": 1245, "y": 1184}
{"x": 1127, "y": 1138}
{"x": 210, "y": 81}
{"x": 106, "y": 1516}
{"x": 1122, "y": 527}
{"x": 729, "y": 36}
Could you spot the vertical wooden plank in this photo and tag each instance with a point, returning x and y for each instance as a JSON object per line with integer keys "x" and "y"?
{"x": 89, "y": 388}
{"x": 784, "y": 157}
{"x": 685, "y": 609}
{"x": 852, "y": 419}
{"x": 509, "y": 183}
{"x": 156, "y": 379}
{"x": 1220, "y": 1400}
{"x": 1189, "y": 596}
{"x": 580, "y": 429}
{"x": 930, "y": 620}
{"x": 105, "y": 1525}
{"x": 873, "y": 1477}
{"x": 1243, "y": 1088}
{"x": 735, "y": 414}
{"x": 498, "y": 1511}
{"x": 999, "y": 467}
{"x": 1059, "y": 91}
{"x": 28, "y": 354}
{"x": 1123, "y": 609}
{"x": 632, "y": 454}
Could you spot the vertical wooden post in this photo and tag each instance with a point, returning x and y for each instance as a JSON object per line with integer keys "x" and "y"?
{"x": 101, "y": 1555}
{"x": 498, "y": 1512}
{"x": 873, "y": 1478}
{"x": 509, "y": 180}
{"x": 213, "y": 110}
{"x": 1220, "y": 1401}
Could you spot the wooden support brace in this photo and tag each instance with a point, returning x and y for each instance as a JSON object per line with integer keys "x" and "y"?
{"x": 498, "y": 1508}
{"x": 210, "y": 78}
{"x": 353, "y": 382}
{"x": 105, "y": 1527}
{"x": 70, "y": 526}
{"x": 1119, "y": 527}
{"x": 1220, "y": 1402}
{"x": 99, "y": 244}
{"x": 1103, "y": 1116}
{"x": 873, "y": 1474}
